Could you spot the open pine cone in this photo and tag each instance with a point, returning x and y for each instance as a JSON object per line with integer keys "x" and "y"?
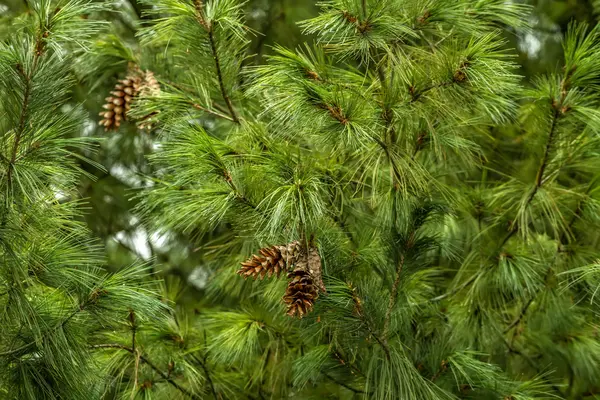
{"x": 301, "y": 293}
{"x": 136, "y": 83}
{"x": 305, "y": 283}
{"x": 271, "y": 261}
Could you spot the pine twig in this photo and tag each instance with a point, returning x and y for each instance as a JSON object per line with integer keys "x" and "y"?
{"x": 338, "y": 382}
{"x": 207, "y": 375}
{"x": 211, "y": 38}
{"x": 149, "y": 363}
{"x": 539, "y": 178}
{"x": 392, "y": 300}
{"x": 93, "y": 297}
{"x": 209, "y": 27}
{"x": 521, "y": 315}
{"x": 209, "y": 111}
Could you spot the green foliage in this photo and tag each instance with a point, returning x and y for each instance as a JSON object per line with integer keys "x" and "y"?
{"x": 453, "y": 202}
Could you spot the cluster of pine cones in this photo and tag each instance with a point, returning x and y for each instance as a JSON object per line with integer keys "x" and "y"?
{"x": 136, "y": 84}
{"x": 302, "y": 267}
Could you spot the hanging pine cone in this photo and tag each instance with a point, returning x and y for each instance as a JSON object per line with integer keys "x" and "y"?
{"x": 120, "y": 101}
{"x": 305, "y": 283}
{"x": 301, "y": 293}
{"x": 149, "y": 87}
{"x": 271, "y": 261}
{"x": 137, "y": 83}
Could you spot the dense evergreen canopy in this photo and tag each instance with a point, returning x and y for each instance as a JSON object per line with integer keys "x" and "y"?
{"x": 414, "y": 183}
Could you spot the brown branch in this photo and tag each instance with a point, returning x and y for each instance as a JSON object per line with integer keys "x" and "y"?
{"x": 21, "y": 127}
{"x": 39, "y": 50}
{"x": 148, "y": 362}
{"x": 440, "y": 371}
{"x": 362, "y": 27}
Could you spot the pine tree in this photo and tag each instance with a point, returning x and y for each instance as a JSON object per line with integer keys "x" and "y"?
{"x": 429, "y": 214}
{"x": 58, "y": 302}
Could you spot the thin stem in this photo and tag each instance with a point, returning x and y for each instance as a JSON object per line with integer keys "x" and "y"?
{"x": 359, "y": 311}
{"x": 60, "y": 325}
{"x": 453, "y": 291}
{"x": 21, "y": 127}
{"x": 521, "y": 315}
{"x": 531, "y": 363}
{"x": 39, "y": 50}
{"x": 209, "y": 27}
{"x": 136, "y": 355}
{"x": 334, "y": 380}
{"x": 207, "y": 374}
{"x": 149, "y": 363}
{"x": 539, "y": 178}
{"x": 561, "y": 240}
{"x": 209, "y": 111}
{"x": 213, "y": 47}
{"x": 392, "y": 300}
{"x": 417, "y": 95}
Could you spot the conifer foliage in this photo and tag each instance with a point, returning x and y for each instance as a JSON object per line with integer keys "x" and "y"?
{"x": 436, "y": 213}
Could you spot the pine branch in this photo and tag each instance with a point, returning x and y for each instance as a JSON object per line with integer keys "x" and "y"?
{"x": 531, "y": 363}
{"x": 561, "y": 240}
{"x": 95, "y": 294}
{"x": 521, "y": 315}
{"x": 213, "y": 47}
{"x": 209, "y": 27}
{"x": 360, "y": 313}
{"x": 539, "y": 178}
{"x": 148, "y": 362}
{"x": 207, "y": 375}
{"x": 334, "y": 380}
{"x": 416, "y": 95}
{"x": 39, "y": 48}
{"x": 392, "y": 299}
{"x": 209, "y": 111}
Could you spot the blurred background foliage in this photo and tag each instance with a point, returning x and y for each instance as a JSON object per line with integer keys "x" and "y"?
{"x": 109, "y": 195}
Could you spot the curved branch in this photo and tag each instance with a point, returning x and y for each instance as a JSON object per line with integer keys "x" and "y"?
{"x": 149, "y": 363}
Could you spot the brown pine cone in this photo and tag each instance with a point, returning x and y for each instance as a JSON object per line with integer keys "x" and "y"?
{"x": 137, "y": 83}
{"x": 271, "y": 261}
{"x": 301, "y": 293}
{"x": 120, "y": 101}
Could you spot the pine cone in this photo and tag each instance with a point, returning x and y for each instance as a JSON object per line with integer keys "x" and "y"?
{"x": 271, "y": 261}
{"x": 149, "y": 87}
{"x": 119, "y": 103}
{"x": 137, "y": 83}
{"x": 301, "y": 293}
